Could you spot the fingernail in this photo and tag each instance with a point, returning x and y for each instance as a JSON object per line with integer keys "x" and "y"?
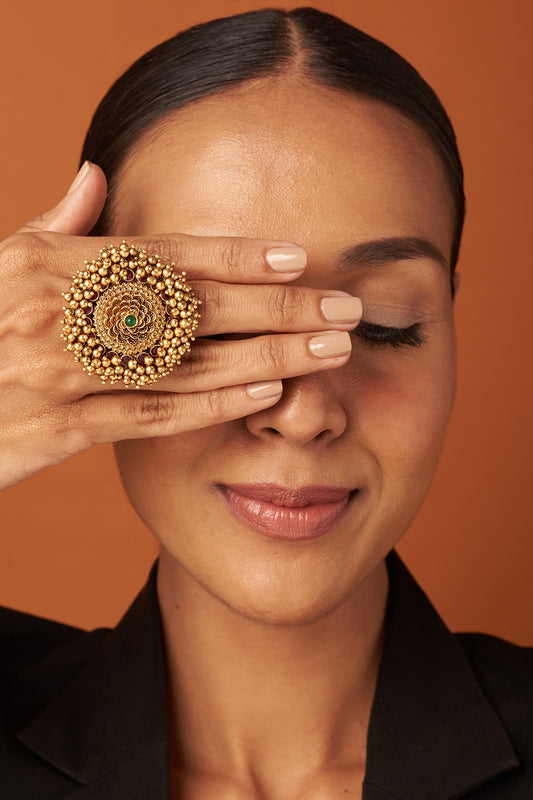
{"x": 341, "y": 309}
{"x": 84, "y": 169}
{"x": 327, "y": 345}
{"x": 264, "y": 390}
{"x": 286, "y": 259}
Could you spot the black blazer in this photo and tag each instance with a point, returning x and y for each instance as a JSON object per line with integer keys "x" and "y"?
{"x": 83, "y": 714}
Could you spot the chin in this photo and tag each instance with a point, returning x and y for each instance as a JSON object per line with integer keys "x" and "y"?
{"x": 294, "y": 592}
{"x": 290, "y": 612}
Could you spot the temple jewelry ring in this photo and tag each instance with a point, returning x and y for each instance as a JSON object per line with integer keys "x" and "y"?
{"x": 129, "y": 317}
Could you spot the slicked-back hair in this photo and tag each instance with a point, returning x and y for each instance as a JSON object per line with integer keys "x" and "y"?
{"x": 224, "y": 53}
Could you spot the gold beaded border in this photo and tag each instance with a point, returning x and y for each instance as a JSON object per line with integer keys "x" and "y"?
{"x": 113, "y": 267}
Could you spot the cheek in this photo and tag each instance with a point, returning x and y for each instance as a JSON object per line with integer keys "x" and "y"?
{"x": 400, "y": 410}
{"x": 161, "y": 475}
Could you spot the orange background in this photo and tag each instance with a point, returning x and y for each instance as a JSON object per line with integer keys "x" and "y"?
{"x": 71, "y": 548}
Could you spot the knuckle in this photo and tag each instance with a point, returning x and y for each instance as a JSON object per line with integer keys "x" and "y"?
{"x": 209, "y": 293}
{"x": 77, "y": 427}
{"x": 152, "y": 409}
{"x": 189, "y": 366}
{"x": 216, "y": 406}
{"x": 64, "y": 427}
{"x": 198, "y": 362}
{"x": 34, "y": 313}
{"x": 24, "y": 252}
{"x": 286, "y": 305}
{"x": 169, "y": 248}
{"x": 271, "y": 355}
{"x": 231, "y": 256}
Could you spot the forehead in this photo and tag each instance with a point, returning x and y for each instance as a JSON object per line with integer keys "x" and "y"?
{"x": 280, "y": 159}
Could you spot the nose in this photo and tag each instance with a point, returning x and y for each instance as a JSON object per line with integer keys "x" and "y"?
{"x": 310, "y": 409}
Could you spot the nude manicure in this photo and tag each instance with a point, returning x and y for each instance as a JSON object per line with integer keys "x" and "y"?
{"x": 328, "y": 345}
{"x": 286, "y": 259}
{"x": 341, "y": 309}
{"x": 264, "y": 390}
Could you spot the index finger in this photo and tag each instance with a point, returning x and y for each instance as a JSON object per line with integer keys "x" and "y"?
{"x": 226, "y": 258}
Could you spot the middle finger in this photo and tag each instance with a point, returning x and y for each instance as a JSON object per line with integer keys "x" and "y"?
{"x": 234, "y": 308}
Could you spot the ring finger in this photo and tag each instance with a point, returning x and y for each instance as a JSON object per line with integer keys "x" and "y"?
{"x": 216, "y": 364}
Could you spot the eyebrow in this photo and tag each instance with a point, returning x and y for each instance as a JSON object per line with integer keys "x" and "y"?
{"x": 387, "y": 251}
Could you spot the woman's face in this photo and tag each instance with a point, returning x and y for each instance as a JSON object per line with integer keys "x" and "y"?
{"x": 331, "y": 172}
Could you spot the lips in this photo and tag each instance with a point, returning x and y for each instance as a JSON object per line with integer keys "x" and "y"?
{"x": 290, "y": 514}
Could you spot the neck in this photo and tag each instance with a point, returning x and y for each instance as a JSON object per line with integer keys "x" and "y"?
{"x": 248, "y": 698}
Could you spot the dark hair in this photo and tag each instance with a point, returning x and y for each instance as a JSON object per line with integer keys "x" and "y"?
{"x": 224, "y": 53}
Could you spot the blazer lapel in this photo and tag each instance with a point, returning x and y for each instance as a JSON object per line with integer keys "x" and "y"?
{"x": 433, "y": 734}
{"x": 107, "y": 729}
{"x": 144, "y": 779}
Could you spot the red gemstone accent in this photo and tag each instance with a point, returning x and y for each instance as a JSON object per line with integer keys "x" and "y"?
{"x": 141, "y": 358}
{"x": 129, "y": 275}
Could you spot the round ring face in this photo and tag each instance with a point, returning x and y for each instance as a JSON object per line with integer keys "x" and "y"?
{"x": 129, "y": 317}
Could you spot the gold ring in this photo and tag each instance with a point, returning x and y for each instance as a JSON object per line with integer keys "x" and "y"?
{"x": 129, "y": 317}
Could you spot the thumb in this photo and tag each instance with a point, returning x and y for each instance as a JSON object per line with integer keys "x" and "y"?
{"x": 79, "y": 210}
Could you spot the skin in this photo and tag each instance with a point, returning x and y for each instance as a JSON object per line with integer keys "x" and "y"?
{"x": 51, "y": 409}
{"x": 273, "y": 647}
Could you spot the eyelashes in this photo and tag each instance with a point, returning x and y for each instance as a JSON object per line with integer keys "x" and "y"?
{"x": 394, "y": 337}
{"x": 373, "y": 335}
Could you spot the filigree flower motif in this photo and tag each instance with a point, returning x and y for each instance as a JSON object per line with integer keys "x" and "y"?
{"x": 129, "y": 318}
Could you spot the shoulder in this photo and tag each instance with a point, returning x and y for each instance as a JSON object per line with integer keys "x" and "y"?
{"x": 38, "y": 659}
{"x": 505, "y": 673}
{"x": 498, "y": 662}
{"x": 35, "y": 663}
{"x": 27, "y": 640}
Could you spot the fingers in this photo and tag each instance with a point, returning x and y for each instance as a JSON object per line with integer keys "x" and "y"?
{"x": 52, "y": 409}
{"x": 134, "y": 415}
{"x": 225, "y": 259}
{"x": 217, "y": 364}
{"x": 62, "y": 430}
{"x": 228, "y": 259}
{"x": 232, "y": 309}
{"x": 115, "y": 416}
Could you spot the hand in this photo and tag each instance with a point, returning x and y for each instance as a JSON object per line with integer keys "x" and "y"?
{"x": 51, "y": 409}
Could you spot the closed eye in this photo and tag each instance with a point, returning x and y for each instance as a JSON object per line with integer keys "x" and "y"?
{"x": 395, "y": 337}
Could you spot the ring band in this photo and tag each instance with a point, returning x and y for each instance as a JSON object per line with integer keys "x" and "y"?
{"x": 129, "y": 317}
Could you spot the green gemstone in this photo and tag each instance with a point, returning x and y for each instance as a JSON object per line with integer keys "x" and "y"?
{"x": 130, "y": 321}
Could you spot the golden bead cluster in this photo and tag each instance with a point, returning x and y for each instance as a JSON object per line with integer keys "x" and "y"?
{"x": 129, "y": 317}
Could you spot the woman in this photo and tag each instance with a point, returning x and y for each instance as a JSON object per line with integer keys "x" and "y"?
{"x": 279, "y": 649}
